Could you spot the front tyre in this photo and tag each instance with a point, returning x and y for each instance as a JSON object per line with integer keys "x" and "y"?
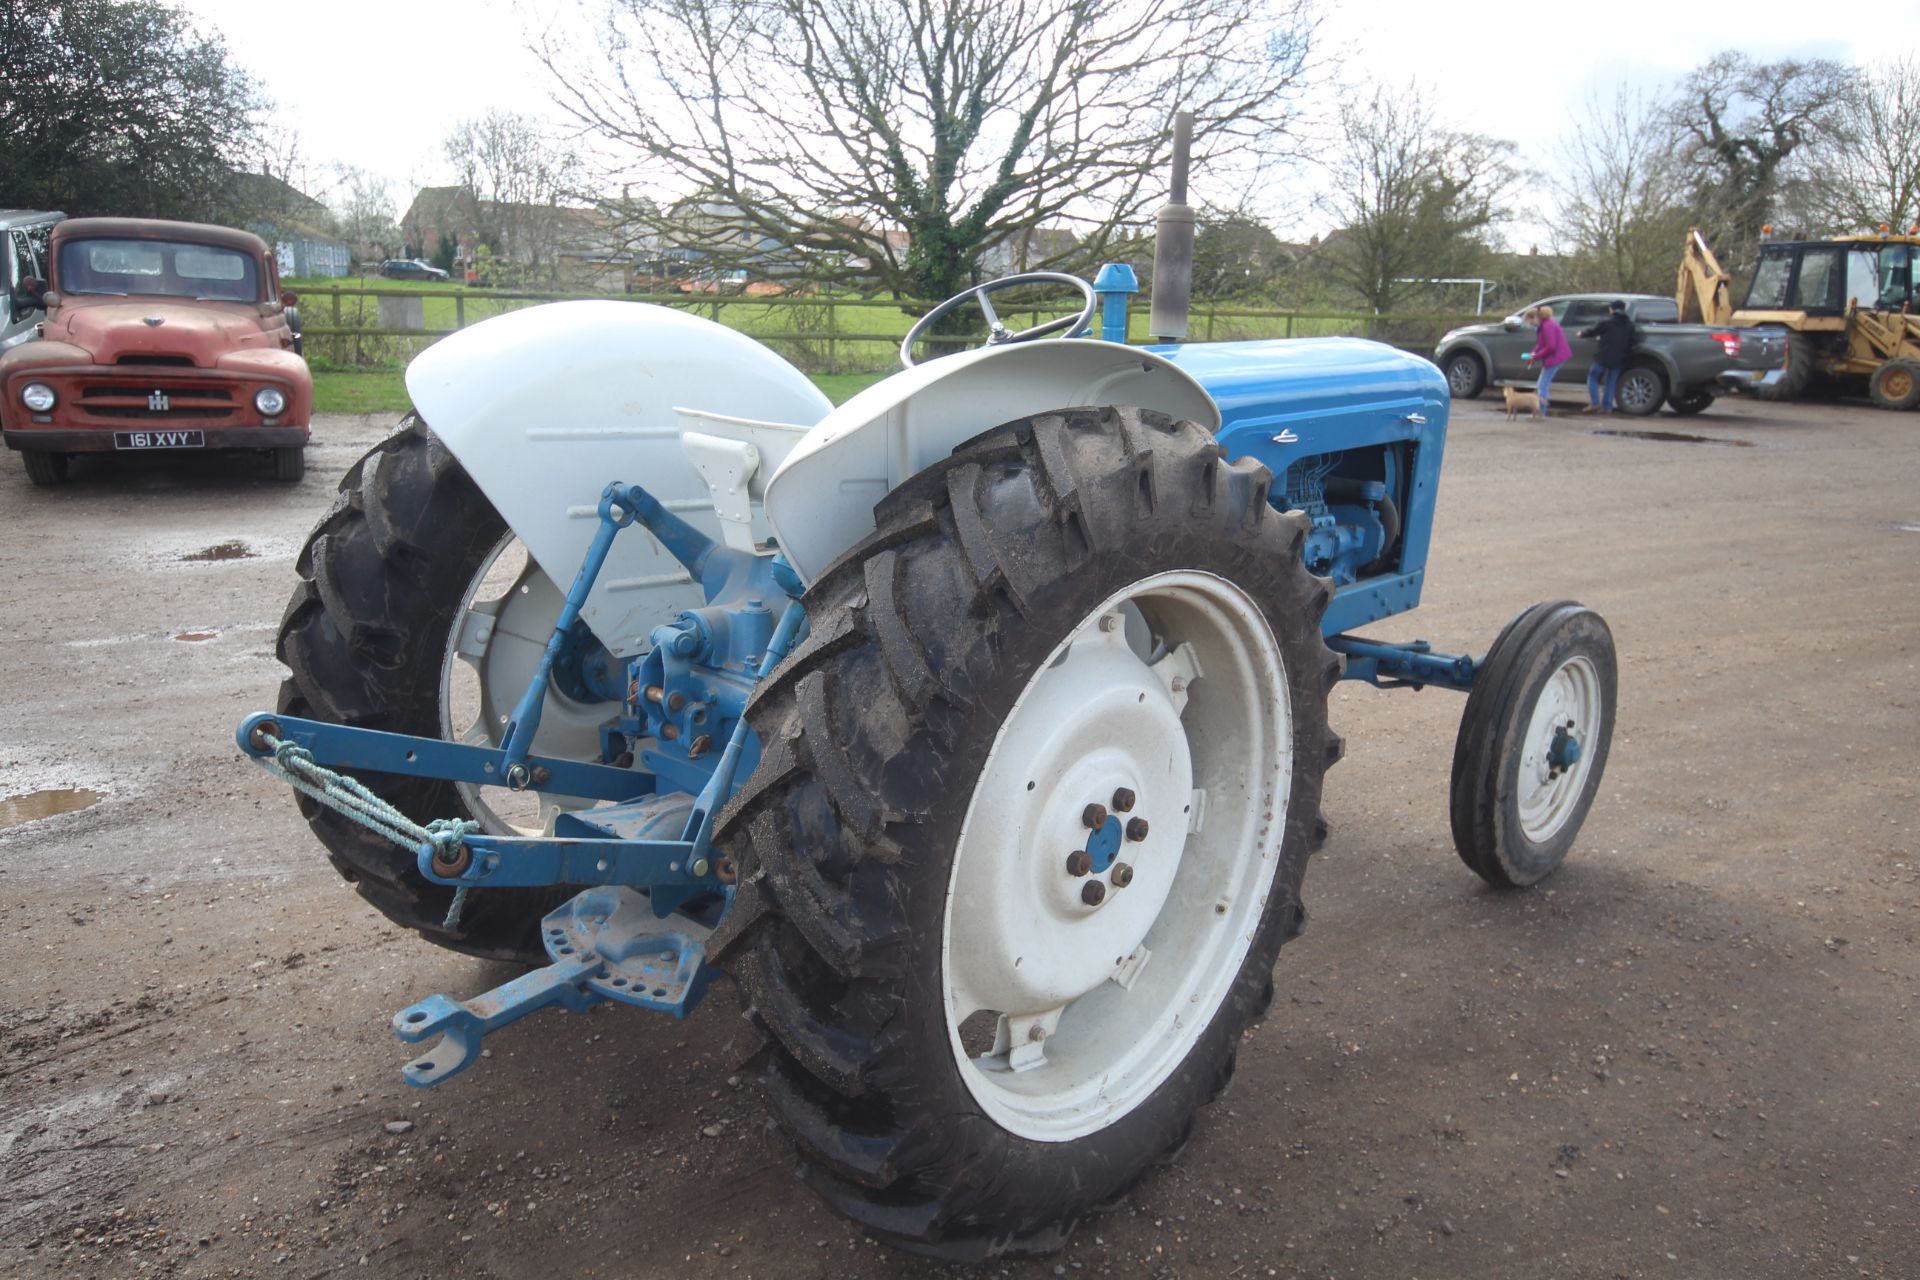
{"x": 1466, "y": 375}
{"x": 1029, "y": 828}
{"x": 44, "y": 467}
{"x": 1642, "y": 390}
{"x": 1533, "y": 743}
{"x": 290, "y": 464}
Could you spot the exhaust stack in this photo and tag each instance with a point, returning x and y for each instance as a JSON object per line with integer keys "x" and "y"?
{"x": 1173, "y": 244}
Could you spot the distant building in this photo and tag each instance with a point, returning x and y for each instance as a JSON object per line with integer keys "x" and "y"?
{"x": 1027, "y": 250}
{"x": 543, "y": 244}
{"x": 294, "y": 223}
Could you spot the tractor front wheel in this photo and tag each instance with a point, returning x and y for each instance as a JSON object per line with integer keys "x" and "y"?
{"x": 1028, "y": 831}
{"x": 1533, "y": 743}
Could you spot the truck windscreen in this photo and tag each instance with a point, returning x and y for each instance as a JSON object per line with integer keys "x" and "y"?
{"x": 169, "y": 268}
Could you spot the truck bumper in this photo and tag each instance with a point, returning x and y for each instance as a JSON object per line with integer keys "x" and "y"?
{"x": 102, "y": 440}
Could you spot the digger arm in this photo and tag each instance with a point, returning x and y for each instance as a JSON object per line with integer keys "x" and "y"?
{"x": 1703, "y": 288}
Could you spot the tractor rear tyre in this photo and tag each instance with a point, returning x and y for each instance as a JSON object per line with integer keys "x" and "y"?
{"x": 1896, "y": 384}
{"x": 44, "y": 467}
{"x": 1798, "y": 367}
{"x": 1533, "y": 743}
{"x": 1642, "y": 390}
{"x": 387, "y": 583}
{"x": 1028, "y": 832}
{"x": 1466, "y": 375}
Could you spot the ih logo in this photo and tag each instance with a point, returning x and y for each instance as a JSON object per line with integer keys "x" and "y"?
{"x": 157, "y": 401}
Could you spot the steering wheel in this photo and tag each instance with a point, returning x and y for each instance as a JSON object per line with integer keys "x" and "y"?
{"x": 997, "y": 333}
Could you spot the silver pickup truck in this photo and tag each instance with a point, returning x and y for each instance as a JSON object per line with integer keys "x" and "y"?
{"x": 1675, "y": 364}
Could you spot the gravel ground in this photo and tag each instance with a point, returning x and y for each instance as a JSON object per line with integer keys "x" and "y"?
{"x": 1691, "y": 1053}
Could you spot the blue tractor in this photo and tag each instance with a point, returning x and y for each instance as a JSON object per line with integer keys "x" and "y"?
{"x": 975, "y": 727}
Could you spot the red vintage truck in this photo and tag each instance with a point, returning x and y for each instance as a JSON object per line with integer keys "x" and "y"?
{"x": 159, "y": 336}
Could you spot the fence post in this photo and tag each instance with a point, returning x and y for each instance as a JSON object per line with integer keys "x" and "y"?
{"x": 833, "y": 346}
{"x": 460, "y": 310}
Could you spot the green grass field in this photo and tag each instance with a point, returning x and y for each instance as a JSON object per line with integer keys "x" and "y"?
{"x": 845, "y": 343}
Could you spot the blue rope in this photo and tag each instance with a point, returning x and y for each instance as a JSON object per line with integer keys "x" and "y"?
{"x": 349, "y": 797}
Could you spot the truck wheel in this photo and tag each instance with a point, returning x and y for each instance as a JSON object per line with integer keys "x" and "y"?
{"x": 290, "y": 464}
{"x": 1029, "y": 827}
{"x": 1896, "y": 384}
{"x": 1533, "y": 743}
{"x": 44, "y": 466}
{"x": 416, "y": 613}
{"x": 1642, "y": 390}
{"x": 1687, "y": 405}
{"x": 1798, "y": 367}
{"x": 1466, "y": 376}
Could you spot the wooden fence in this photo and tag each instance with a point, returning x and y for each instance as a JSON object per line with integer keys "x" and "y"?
{"x": 823, "y": 335}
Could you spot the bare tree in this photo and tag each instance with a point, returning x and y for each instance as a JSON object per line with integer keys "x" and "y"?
{"x": 898, "y": 142}
{"x": 1868, "y": 172}
{"x": 1413, "y": 199}
{"x": 519, "y": 179}
{"x": 363, "y": 212}
{"x": 1622, "y": 192}
{"x": 1741, "y": 122}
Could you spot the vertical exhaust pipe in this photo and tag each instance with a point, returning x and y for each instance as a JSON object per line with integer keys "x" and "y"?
{"x": 1173, "y": 244}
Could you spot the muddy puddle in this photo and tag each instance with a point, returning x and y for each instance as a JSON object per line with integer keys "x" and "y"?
{"x": 231, "y": 550}
{"x": 34, "y": 805}
{"x": 1673, "y": 437}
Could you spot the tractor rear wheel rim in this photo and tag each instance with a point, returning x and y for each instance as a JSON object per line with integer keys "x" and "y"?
{"x": 500, "y": 629}
{"x": 1095, "y": 984}
{"x": 1549, "y": 787}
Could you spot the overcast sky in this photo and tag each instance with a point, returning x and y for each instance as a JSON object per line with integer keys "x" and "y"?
{"x": 378, "y": 83}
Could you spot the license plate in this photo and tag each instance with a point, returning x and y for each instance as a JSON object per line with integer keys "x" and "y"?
{"x": 159, "y": 440}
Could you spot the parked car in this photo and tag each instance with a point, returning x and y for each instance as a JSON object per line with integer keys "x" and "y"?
{"x": 158, "y": 336}
{"x": 1675, "y": 364}
{"x": 410, "y": 269}
{"x": 26, "y": 251}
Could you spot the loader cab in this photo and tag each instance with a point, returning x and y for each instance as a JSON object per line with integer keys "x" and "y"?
{"x": 1896, "y": 276}
{"x": 1825, "y": 277}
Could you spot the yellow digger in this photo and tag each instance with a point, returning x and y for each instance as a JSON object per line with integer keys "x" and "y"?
{"x": 1842, "y": 309}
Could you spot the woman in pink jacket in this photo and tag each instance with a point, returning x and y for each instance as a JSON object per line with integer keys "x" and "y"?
{"x": 1551, "y": 351}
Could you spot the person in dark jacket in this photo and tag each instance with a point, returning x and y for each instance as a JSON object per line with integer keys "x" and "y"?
{"x": 1616, "y": 337}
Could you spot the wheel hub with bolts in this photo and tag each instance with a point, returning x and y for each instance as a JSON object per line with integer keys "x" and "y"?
{"x": 1551, "y": 772}
{"x": 1076, "y": 864}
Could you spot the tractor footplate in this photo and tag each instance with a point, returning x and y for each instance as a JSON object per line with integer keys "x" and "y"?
{"x": 606, "y": 944}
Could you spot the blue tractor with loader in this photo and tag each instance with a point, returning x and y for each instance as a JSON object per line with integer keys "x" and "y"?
{"x": 976, "y": 727}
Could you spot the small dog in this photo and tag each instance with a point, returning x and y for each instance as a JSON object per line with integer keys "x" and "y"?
{"x": 1518, "y": 400}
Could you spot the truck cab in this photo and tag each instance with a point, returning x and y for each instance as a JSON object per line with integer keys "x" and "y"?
{"x": 157, "y": 337}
